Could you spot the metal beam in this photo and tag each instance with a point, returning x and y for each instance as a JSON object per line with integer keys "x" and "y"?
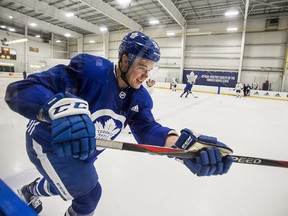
{"x": 25, "y": 20}
{"x": 174, "y": 12}
{"x": 243, "y": 40}
{"x": 48, "y": 10}
{"x": 112, "y": 13}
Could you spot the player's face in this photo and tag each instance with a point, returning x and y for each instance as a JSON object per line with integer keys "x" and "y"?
{"x": 139, "y": 72}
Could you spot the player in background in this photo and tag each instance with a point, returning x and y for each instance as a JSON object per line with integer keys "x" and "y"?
{"x": 191, "y": 79}
{"x": 149, "y": 84}
{"x": 24, "y": 74}
{"x": 174, "y": 84}
{"x": 70, "y": 106}
{"x": 245, "y": 90}
{"x": 238, "y": 89}
{"x": 248, "y": 89}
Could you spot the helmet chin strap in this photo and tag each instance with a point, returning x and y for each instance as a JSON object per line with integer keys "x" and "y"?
{"x": 124, "y": 73}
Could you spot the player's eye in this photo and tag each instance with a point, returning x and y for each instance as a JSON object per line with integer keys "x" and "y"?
{"x": 142, "y": 69}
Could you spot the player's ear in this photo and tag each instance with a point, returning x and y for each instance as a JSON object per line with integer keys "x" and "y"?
{"x": 124, "y": 60}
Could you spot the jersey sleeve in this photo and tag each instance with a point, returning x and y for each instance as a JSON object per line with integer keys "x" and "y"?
{"x": 26, "y": 97}
{"x": 144, "y": 127}
{"x": 148, "y": 131}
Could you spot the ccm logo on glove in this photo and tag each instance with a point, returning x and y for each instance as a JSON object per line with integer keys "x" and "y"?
{"x": 64, "y": 107}
{"x": 187, "y": 142}
{"x": 68, "y": 106}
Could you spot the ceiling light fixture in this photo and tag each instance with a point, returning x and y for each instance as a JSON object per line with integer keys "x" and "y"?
{"x": 170, "y": 33}
{"x": 17, "y": 41}
{"x": 6, "y": 64}
{"x": 124, "y": 1}
{"x": 231, "y": 13}
{"x": 12, "y": 29}
{"x": 69, "y": 14}
{"x": 154, "y": 21}
{"x": 103, "y": 29}
{"x": 33, "y": 24}
{"x": 67, "y": 35}
{"x": 230, "y": 29}
{"x": 35, "y": 66}
{"x": 3, "y": 26}
{"x": 58, "y": 41}
{"x": 38, "y": 36}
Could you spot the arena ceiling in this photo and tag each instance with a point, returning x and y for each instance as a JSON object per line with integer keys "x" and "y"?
{"x": 89, "y": 16}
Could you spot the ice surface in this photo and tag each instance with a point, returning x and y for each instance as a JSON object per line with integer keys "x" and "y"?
{"x": 137, "y": 184}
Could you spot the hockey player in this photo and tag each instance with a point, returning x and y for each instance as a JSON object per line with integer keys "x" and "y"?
{"x": 70, "y": 106}
{"x": 174, "y": 84}
{"x": 191, "y": 79}
{"x": 149, "y": 84}
{"x": 238, "y": 89}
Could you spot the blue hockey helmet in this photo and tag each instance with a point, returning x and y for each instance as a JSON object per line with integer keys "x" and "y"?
{"x": 136, "y": 44}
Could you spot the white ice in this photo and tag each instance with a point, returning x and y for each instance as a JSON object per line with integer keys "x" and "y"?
{"x": 138, "y": 184}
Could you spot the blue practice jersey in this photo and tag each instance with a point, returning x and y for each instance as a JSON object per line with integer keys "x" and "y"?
{"x": 93, "y": 79}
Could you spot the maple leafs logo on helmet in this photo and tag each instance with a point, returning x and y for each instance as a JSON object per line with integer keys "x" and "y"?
{"x": 133, "y": 35}
{"x": 136, "y": 44}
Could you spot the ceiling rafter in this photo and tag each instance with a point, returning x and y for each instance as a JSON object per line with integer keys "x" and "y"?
{"x": 114, "y": 14}
{"x": 136, "y": 15}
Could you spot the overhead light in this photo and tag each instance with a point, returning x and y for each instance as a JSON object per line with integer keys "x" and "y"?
{"x": 193, "y": 30}
{"x": 58, "y": 41}
{"x": 38, "y": 36}
{"x": 17, "y": 41}
{"x": 123, "y": 1}
{"x": 69, "y": 14}
{"x": 231, "y": 13}
{"x": 154, "y": 21}
{"x": 12, "y": 29}
{"x": 3, "y": 26}
{"x": 33, "y": 24}
{"x": 91, "y": 41}
{"x": 6, "y": 64}
{"x": 35, "y": 66}
{"x": 67, "y": 35}
{"x": 232, "y": 29}
{"x": 10, "y": 17}
{"x": 170, "y": 33}
{"x": 199, "y": 33}
{"x": 103, "y": 29}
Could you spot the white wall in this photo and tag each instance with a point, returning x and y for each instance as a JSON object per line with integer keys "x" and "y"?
{"x": 263, "y": 58}
{"x": 215, "y": 49}
{"x": 221, "y": 50}
{"x": 45, "y": 58}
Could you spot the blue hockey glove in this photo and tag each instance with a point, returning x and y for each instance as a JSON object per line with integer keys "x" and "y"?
{"x": 214, "y": 157}
{"x": 73, "y": 132}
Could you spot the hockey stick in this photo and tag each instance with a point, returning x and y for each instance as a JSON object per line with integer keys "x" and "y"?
{"x": 193, "y": 95}
{"x": 184, "y": 153}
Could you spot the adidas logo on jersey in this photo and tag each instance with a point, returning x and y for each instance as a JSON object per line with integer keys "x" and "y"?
{"x": 135, "y": 108}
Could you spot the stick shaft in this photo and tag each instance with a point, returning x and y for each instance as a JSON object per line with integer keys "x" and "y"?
{"x": 184, "y": 153}
{"x": 146, "y": 149}
{"x": 259, "y": 161}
